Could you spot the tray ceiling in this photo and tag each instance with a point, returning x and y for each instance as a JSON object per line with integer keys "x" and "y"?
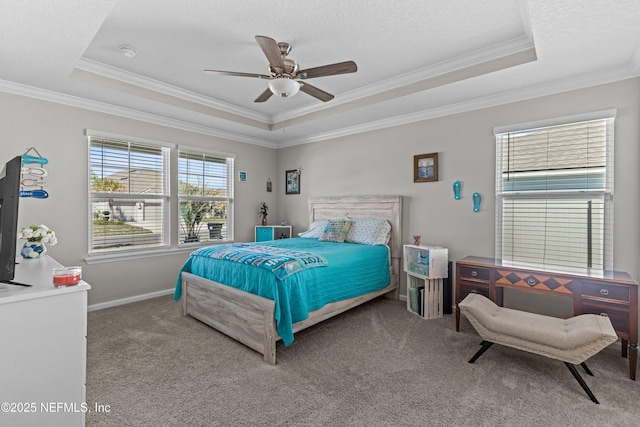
{"x": 416, "y": 58}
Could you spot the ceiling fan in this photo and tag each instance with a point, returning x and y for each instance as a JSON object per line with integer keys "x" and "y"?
{"x": 285, "y": 78}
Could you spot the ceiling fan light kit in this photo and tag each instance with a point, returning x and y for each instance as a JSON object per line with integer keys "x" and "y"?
{"x": 284, "y": 87}
{"x": 284, "y": 74}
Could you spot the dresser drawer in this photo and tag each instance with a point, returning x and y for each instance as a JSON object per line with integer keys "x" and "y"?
{"x": 475, "y": 273}
{"x": 619, "y": 318}
{"x": 606, "y": 290}
{"x": 475, "y": 288}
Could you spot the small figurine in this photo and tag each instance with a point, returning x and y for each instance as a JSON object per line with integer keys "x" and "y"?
{"x": 416, "y": 240}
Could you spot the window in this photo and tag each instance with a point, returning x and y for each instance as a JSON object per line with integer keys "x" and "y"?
{"x": 128, "y": 195}
{"x": 130, "y": 208}
{"x": 554, "y": 192}
{"x": 205, "y": 193}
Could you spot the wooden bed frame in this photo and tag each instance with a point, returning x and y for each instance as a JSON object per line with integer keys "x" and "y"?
{"x": 249, "y": 318}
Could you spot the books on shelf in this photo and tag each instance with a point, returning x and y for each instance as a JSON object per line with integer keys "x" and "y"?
{"x": 413, "y": 299}
{"x": 426, "y": 300}
{"x": 426, "y": 267}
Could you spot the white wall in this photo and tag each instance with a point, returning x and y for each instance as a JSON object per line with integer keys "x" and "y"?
{"x": 57, "y": 132}
{"x": 381, "y": 162}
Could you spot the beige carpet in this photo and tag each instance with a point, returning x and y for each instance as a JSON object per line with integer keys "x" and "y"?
{"x": 376, "y": 365}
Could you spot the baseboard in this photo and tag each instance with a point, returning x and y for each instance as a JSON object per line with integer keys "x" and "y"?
{"x": 129, "y": 300}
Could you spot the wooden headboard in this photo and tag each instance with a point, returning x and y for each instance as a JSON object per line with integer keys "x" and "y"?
{"x": 385, "y": 207}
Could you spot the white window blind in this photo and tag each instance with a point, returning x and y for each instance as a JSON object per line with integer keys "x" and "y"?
{"x": 128, "y": 195}
{"x": 205, "y": 193}
{"x": 554, "y": 188}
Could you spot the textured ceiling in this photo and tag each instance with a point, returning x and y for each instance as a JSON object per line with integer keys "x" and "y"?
{"x": 416, "y": 58}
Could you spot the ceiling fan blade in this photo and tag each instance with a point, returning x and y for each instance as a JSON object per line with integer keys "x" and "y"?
{"x": 264, "y": 96}
{"x": 271, "y": 51}
{"x": 315, "y": 92}
{"x": 328, "y": 70}
{"x": 233, "y": 73}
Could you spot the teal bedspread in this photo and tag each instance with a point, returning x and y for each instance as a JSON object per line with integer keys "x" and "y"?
{"x": 351, "y": 270}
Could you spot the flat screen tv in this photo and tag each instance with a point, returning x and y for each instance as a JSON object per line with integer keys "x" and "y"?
{"x": 9, "y": 200}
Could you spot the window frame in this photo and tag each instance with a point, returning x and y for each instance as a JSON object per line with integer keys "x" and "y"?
{"x": 229, "y": 159}
{"x": 170, "y": 210}
{"x": 605, "y": 193}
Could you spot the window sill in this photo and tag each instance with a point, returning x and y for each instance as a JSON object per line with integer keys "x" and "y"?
{"x": 151, "y": 253}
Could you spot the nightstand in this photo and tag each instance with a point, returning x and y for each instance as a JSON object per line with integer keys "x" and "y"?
{"x": 426, "y": 268}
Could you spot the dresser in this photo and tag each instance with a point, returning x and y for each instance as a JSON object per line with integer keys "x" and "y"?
{"x": 613, "y": 293}
{"x": 43, "y": 353}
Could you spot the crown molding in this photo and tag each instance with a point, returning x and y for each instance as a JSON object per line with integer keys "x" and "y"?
{"x": 480, "y": 56}
{"x": 532, "y": 92}
{"x": 102, "y": 107}
{"x": 127, "y": 77}
{"x": 475, "y": 58}
{"x": 630, "y": 71}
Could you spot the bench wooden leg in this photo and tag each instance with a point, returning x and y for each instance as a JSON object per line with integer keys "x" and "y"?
{"x": 578, "y": 378}
{"x": 485, "y": 347}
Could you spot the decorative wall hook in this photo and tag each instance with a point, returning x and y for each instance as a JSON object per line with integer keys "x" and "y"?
{"x": 456, "y": 190}
{"x": 30, "y": 158}
{"x": 477, "y": 198}
{"x": 31, "y": 173}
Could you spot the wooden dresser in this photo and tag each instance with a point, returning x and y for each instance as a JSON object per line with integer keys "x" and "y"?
{"x": 610, "y": 292}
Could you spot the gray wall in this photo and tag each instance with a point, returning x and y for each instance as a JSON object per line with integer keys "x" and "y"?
{"x": 57, "y": 132}
{"x": 381, "y": 162}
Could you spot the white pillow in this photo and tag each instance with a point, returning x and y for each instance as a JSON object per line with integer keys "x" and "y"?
{"x": 369, "y": 231}
{"x": 315, "y": 230}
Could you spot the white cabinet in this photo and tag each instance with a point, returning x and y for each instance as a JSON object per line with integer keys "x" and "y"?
{"x": 426, "y": 267}
{"x": 43, "y": 353}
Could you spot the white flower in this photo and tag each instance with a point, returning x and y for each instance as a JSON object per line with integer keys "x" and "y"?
{"x": 39, "y": 233}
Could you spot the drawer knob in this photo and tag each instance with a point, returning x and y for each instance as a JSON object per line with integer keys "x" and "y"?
{"x": 604, "y": 292}
{"x": 474, "y": 273}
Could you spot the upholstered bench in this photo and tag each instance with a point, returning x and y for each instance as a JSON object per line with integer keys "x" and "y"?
{"x": 572, "y": 340}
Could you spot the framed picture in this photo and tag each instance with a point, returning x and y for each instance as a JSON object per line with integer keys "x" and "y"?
{"x": 425, "y": 167}
{"x": 242, "y": 176}
{"x": 292, "y": 179}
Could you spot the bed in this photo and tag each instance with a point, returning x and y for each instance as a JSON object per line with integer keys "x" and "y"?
{"x": 254, "y": 320}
